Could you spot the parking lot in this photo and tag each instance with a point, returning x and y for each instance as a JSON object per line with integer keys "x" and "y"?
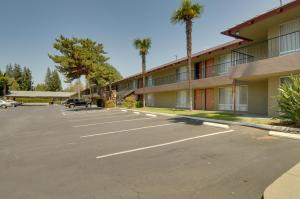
{"x": 53, "y": 152}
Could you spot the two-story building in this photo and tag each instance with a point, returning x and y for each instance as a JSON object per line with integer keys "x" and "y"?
{"x": 242, "y": 75}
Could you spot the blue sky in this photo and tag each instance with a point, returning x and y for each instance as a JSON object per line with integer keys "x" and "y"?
{"x": 29, "y": 28}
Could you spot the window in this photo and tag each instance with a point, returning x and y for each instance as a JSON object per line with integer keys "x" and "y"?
{"x": 242, "y": 98}
{"x": 284, "y": 80}
{"x": 182, "y": 74}
{"x": 149, "y": 81}
{"x": 182, "y": 99}
{"x": 290, "y": 36}
{"x": 224, "y": 63}
{"x": 225, "y": 98}
{"x": 150, "y": 100}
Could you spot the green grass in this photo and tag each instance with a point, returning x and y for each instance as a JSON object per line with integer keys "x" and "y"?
{"x": 211, "y": 115}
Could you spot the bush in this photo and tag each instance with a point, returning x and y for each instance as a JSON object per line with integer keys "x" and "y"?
{"x": 289, "y": 100}
{"x": 129, "y": 102}
{"x": 139, "y": 104}
{"x": 110, "y": 104}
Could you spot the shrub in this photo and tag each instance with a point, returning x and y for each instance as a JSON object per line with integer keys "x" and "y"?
{"x": 139, "y": 104}
{"x": 129, "y": 102}
{"x": 289, "y": 100}
{"x": 110, "y": 104}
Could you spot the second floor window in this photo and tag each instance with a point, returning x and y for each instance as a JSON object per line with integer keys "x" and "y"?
{"x": 290, "y": 36}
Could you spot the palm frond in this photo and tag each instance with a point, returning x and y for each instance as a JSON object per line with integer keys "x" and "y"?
{"x": 187, "y": 11}
{"x": 143, "y": 45}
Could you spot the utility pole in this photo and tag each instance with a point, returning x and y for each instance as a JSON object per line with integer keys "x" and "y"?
{"x": 280, "y": 2}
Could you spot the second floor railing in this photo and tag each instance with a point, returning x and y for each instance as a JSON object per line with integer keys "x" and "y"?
{"x": 273, "y": 47}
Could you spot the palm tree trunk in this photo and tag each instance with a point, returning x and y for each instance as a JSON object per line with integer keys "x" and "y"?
{"x": 143, "y": 72}
{"x": 110, "y": 91}
{"x": 189, "y": 24}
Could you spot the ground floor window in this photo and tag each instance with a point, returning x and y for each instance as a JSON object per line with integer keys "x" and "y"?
{"x": 226, "y": 98}
{"x": 182, "y": 99}
{"x": 150, "y": 100}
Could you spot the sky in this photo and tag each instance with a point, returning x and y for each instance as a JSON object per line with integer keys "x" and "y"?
{"x": 28, "y": 29}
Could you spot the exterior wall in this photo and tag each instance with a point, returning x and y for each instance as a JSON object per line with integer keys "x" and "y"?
{"x": 209, "y": 70}
{"x": 258, "y": 97}
{"x": 210, "y": 99}
{"x": 165, "y": 99}
{"x": 273, "y": 85}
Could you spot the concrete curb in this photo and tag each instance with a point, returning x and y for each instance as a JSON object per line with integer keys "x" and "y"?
{"x": 285, "y": 135}
{"x": 259, "y": 126}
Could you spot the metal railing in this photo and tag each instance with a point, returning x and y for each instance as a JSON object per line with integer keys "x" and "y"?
{"x": 168, "y": 79}
{"x": 274, "y": 47}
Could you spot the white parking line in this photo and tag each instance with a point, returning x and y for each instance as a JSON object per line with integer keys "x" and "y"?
{"x": 128, "y": 130}
{"x": 124, "y": 110}
{"x": 163, "y": 144}
{"x": 118, "y": 121}
{"x": 137, "y": 113}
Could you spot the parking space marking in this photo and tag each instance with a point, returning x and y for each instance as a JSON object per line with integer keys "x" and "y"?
{"x": 137, "y": 113}
{"x": 124, "y": 110}
{"x": 128, "y": 130}
{"x": 163, "y": 144}
{"x": 117, "y": 121}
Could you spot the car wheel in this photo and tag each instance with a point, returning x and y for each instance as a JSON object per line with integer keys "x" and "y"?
{"x": 3, "y": 106}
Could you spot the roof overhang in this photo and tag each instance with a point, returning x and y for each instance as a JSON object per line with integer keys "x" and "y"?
{"x": 254, "y": 25}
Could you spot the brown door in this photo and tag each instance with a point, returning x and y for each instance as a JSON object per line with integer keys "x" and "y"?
{"x": 199, "y": 99}
{"x": 210, "y": 99}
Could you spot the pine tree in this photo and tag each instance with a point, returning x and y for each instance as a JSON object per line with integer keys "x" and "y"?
{"x": 26, "y": 83}
{"x": 9, "y": 71}
{"x": 48, "y": 79}
{"x": 17, "y": 73}
{"x": 55, "y": 83}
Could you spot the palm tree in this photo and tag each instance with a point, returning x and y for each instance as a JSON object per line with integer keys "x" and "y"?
{"x": 143, "y": 45}
{"x": 185, "y": 15}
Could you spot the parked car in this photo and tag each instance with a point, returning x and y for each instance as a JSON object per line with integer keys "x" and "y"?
{"x": 4, "y": 104}
{"x": 13, "y": 103}
{"x": 71, "y": 103}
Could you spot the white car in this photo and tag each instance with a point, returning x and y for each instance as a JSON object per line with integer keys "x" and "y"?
{"x": 4, "y": 104}
{"x": 13, "y": 103}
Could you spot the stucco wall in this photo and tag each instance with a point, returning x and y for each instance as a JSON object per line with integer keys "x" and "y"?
{"x": 165, "y": 99}
{"x": 258, "y": 97}
{"x": 273, "y": 85}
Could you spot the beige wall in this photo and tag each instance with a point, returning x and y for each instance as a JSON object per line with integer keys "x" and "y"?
{"x": 258, "y": 97}
{"x": 165, "y": 99}
{"x": 273, "y": 85}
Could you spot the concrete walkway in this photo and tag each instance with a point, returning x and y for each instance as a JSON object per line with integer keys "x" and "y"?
{"x": 286, "y": 186}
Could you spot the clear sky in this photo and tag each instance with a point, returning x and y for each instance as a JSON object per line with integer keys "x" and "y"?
{"x": 28, "y": 28}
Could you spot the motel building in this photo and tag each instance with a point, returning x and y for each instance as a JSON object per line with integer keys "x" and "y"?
{"x": 242, "y": 75}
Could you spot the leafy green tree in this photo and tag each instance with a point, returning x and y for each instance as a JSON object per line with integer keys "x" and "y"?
{"x": 4, "y": 81}
{"x": 26, "y": 83}
{"x": 14, "y": 85}
{"x": 185, "y": 14}
{"x": 289, "y": 100}
{"x": 77, "y": 56}
{"x": 55, "y": 83}
{"x": 104, "y": 75}
{"x": 143, "y": 46}
{"x": 48, "y": 79}
{"x": 41, "y": 87}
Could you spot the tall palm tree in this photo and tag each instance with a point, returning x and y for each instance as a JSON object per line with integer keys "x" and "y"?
{"x": 185, "y": 14}
{"x": 143, "y": 45}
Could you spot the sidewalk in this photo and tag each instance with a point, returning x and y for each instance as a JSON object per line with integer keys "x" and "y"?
{"x": 285, "y": 187}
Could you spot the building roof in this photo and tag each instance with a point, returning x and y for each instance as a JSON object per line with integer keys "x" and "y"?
{"x": 196, "y": 55}
{"x": 276, "y": 11}
{"x": 40, "y": 94}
